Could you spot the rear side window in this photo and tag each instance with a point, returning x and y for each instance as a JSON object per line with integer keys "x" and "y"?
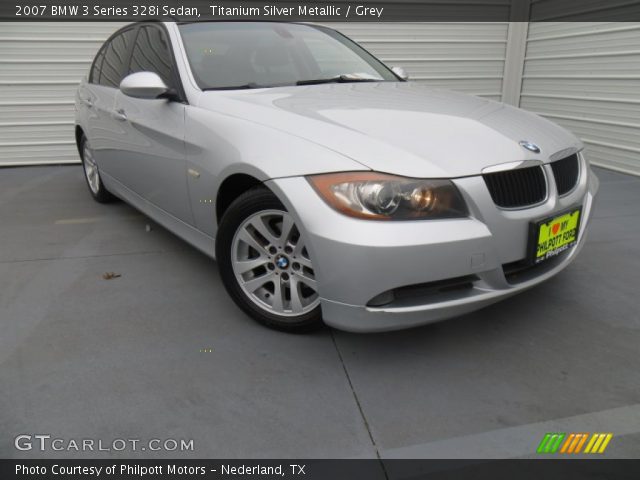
{"x": 115, "y": 61}
{"x": 151, "y": 54}
{"x": 94, "y": 76}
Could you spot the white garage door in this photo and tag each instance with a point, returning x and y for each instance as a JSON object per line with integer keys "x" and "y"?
{"x": 468, "y": 57}
{"x": 586, "y": 76}
{"x": 41, "y": 64}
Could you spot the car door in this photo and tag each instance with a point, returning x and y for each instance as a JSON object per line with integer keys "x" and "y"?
{"x": 99, "y": 94}
{"x": 151, "y": 152}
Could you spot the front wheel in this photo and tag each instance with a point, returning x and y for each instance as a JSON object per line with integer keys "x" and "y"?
{"x": 265, "y": 265}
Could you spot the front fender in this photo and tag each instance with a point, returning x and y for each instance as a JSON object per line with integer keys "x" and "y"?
{"x": 219, "y": 145}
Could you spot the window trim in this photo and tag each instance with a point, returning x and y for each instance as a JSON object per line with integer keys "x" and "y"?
{"x": 182, "y": 97}
{"x": 105, "y": 45}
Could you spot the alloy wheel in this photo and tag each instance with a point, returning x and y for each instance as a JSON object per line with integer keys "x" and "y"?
{"x": 272, "y": 265}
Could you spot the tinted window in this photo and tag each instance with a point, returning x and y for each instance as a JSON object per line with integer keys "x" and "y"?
{"x": 115, "y": 59}
{"x": 151, "y": 54}
{"x": 97, "y": 65}
{"x": 228, "y": 54}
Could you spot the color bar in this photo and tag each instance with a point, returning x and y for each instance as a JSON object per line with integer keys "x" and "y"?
{"x": 605, "y": 443}
{"x": 543, "y": 443}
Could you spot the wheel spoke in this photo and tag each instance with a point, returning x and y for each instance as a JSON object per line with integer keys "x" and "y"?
{"x": 287, "y": 229}
{"x": 260, "y": 226}
{"x": 278, "y": 294}
{"x": 244, "y": 266}
{"x": 296, "y": 300}
{"x": 249, "y": 239}
{"x": 305, "y": 262}
{"x": 308, "y": 281}
{"x": 298, "y": 248}
{"x": 255, "y": 283}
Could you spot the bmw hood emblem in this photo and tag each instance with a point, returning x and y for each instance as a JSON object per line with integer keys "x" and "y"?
{"x": 532, "y": 147}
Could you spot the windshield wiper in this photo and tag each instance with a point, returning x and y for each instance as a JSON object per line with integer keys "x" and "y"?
{"x": 338, "y": 79}
{"x": 246, "y": 86}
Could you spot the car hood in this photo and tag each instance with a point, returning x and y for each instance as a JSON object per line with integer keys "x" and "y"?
{"x": 401, "y": 128}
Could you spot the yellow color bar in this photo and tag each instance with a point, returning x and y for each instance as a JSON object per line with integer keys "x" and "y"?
{"x": 606, "y": 441}
{"x": 581, "y": 443}
{"x": 591, "y": 442}
{"x": 598, "y": 442}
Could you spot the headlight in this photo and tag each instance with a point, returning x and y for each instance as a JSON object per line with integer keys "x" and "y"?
{"x": 379, "y": 196}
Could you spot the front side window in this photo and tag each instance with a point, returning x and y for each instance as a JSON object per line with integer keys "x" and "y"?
{"x": 114, "y": 65}
{"x": 151, "y": 54}
{"x": 240, "y": 54}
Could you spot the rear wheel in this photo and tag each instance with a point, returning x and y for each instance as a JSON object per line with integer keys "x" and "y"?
{"x": 265, "y": 265}
{"x": 92, "y": 174}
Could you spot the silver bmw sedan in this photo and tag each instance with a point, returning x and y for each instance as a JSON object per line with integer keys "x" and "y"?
{"x": 329, "y": 188}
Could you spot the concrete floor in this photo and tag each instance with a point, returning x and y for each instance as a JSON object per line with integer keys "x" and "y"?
{"x": 83, "y": 357}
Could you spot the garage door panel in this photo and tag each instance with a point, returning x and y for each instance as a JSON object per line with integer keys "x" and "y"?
{"x": 414, "y": 31}
{"x": 614, "y": 158}
{"x": 586, "y": 77}
{"x": 606, "y": 110}
{"x": 622, "y": 135}
{"x": 53, "y": 30}
{"x": 24, "y": 134}
{"x": 613, "y": 39}
{"x": 42, "y": 92}
{"x": 618, "y": 88}
{"x": 52, "y": 49}
{"x": 39, "y": 154}
{"x": 612, "y": 64}
{"x": 61, "y": 70}
{"x": 38, "y": 113}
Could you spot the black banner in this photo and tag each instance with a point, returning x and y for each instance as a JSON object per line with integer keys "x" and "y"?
{"x": 538, "y": 469}
{"x": 321, "y": 11}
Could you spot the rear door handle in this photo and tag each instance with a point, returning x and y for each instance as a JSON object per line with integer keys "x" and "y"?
{"x": 88, "y": 102}
{"x": 119, "y": 115}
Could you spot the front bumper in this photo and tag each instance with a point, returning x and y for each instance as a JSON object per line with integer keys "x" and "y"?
{"x": 358, "y": 262}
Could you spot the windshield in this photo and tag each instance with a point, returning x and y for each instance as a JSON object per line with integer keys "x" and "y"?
{"x": 227, "y": 55}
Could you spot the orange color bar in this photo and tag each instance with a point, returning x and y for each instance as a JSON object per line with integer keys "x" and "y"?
{"x": 567, "y": 442}
{"x": 582, "y": 440}
{"x": 576, "y": 439}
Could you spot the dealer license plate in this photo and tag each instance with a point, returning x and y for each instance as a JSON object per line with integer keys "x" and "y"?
{"x": 555, "y": 235}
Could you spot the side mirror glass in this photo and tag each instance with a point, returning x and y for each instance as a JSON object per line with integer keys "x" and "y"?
{"x": 147, "y": 85}
{"x": 400, "y": 72}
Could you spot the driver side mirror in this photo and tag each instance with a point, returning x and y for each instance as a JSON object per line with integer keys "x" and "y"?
{"x": 147, "y": 85}
{"x": 400, "y": 72}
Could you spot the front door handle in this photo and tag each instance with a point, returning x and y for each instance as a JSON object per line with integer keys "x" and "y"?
{"x": 88, "y": 102}
{"x": 119, "y": 115}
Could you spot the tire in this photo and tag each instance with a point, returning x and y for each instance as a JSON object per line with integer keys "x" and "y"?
{"x": 92, "y": 174}
{"x": 264, "y": 264}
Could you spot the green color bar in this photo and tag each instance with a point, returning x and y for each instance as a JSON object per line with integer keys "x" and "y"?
{"x": 556, "y": 445}
{"x": 547, "y": 448}
{"x": 543, "y": 443}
